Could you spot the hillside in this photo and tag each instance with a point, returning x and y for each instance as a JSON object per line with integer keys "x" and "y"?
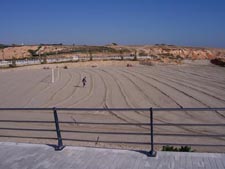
{"x": 157, "y": 51}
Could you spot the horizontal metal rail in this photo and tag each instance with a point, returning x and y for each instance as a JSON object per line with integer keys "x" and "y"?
{"x": 25, "y": 121}
{"x": 103, "y": 141}
{"x": 26, "y": 129}
{"x": 96, "y": 123}
{"x": 190, "y": 124}
{"x": 189, "y": 109}
{"x": 188, "y": 144}
{"x": 45, "y": 138}
{"x": 129, "y": 124}
{"x": 117, "y": 109}
{"x": 73, "y": 122}
{"x": 189, "y": 135}
{"x": 107, "y": 133}
{"x": 18, "y": 109}
{"x": 150, "y": 125}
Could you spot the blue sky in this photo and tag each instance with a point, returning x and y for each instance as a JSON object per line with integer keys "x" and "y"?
{"x": 99, "y": 22}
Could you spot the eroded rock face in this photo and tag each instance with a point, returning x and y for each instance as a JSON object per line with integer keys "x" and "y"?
{"x": 16, "y": 52}
{"x": 158, "y": 51}
{"x": 186, "y": 52}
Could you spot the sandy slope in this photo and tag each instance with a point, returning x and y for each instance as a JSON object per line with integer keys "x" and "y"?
{"x": 109, "y": 86}
{"x": 162, "y": 52}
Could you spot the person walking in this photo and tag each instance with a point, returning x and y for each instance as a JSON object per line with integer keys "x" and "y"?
{"x": 84, "y": 81}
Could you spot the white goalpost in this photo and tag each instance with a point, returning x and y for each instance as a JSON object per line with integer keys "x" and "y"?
{"x": 53, "y": 75}
{"x": 57, "y": 73}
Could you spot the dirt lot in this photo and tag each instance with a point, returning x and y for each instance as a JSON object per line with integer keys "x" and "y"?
{"x": 115, "y": 87}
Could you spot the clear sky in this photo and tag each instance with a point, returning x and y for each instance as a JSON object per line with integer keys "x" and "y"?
{"x": 99, "y": 22}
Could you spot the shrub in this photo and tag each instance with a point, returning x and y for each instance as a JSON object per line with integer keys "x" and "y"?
{"x": 169, "y": 148}
{"x": 135, "y": 56}
{"x": 178, "y": 57}
{"x": 185, "y": 149}
{"x": 87, "y": 49}
{"x": 218, "y": 61}
{"x": 176, "y": 149}
{"x": 142, "y": 53}
{"x": 34, "y": 52}
{"x": 2, "y": 46}
{"x": 90, "y": 54}
{"x": 65, "y": 67}
{"x": 114, "y": 44}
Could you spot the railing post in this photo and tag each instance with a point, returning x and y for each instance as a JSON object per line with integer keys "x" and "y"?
{"x": 60, "y": 143}
{"x": 152, "y": 153}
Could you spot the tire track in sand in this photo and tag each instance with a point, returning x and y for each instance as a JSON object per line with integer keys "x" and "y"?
{"x": 126, "y": 72}
{"x": 181, "y": 127}
{"x": 42, "y": 91}
{"x": 186, "y": 94}
{"x": 71, "y": 77}
{"x": 199, "y": 76}
{"x": 105, "y": 105}
{"x": 85, "y": 97}
{"x": 72, "y": 93}
{"x": 187, "y": 86}
{"x": 159, "y": 90}
{"x": 181, "y": 76}
{"x": 123, "y": 93}
{"x": 119, "y": 87}
{"x": 156, "y": 88}
{"x": 139, "y": 88}
{"x": 32, "y": 88}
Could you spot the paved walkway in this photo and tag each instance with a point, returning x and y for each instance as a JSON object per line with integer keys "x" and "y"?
{"x": 33, "y": 156}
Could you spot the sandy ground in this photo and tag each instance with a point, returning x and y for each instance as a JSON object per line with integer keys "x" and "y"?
{"x": 115, "y": 87}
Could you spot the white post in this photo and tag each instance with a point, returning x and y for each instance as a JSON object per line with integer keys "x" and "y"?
{"x": 58, "y": 74}
{"x": 53, "y": 76}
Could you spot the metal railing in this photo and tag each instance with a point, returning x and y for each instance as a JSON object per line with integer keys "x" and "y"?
{"x": 151, "y": 124}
